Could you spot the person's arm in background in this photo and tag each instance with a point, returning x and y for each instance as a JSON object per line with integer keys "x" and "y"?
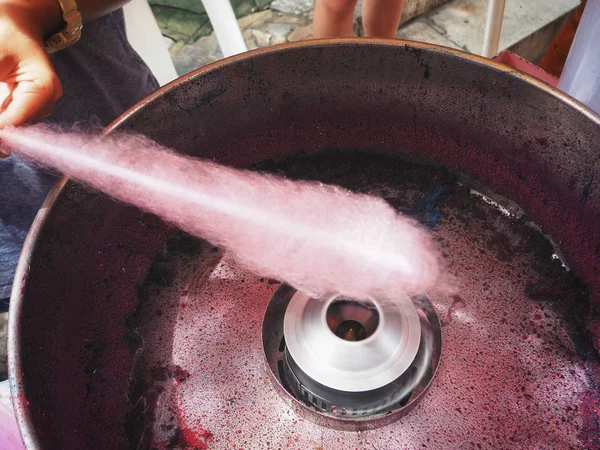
{"x": 29, "y": 87}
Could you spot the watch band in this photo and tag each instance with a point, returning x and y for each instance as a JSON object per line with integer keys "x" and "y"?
{"x": 72, "y": 30}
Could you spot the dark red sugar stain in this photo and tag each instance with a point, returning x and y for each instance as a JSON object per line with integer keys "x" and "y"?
{"x": 175, "y": 372}
{"x": 591, "y": 418}
{"x": 501, "y": 245}
{"x": 189, "y": 437}
{"x": 144, "y": 394}
{"x": 198, "y": 438}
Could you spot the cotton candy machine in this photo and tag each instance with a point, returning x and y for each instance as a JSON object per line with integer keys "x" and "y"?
{"x": 126, "y": 333}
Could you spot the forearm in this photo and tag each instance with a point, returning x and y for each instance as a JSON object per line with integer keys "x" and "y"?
{"x": 46, "y": 15}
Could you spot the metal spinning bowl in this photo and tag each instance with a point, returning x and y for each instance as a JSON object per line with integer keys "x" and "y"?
{"x": 124, "y": 333}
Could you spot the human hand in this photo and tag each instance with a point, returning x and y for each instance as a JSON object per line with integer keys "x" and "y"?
{"x": 29, "y": 86}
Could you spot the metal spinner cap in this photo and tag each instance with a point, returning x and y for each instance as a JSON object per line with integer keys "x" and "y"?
{"x": 352, "y": 346}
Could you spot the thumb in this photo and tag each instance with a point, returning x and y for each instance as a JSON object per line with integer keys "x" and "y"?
{"x": 36, "y": 89}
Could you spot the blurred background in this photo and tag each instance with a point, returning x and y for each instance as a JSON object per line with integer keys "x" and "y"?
{"x": 529, "y": 26}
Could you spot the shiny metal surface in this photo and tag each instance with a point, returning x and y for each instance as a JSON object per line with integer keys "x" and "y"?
{"x": 110, "y": 312}
{"x": 350, "y": 411}
{"x": 352, "y": 366}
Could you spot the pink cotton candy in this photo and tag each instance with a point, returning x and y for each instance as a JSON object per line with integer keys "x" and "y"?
{"x": 321, "y": 239}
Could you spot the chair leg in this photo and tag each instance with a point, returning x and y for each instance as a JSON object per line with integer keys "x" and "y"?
{"x": 221, "y": 16}
{"x": 146, "y": 39}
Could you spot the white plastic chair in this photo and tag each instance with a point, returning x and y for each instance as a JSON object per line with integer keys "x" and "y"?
{"x": 145, "y": 37}
{"x": 493, "y": 28}
{"x": 222, "y": 18}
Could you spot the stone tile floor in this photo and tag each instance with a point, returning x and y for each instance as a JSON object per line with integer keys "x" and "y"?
{"x": 260, "y": 29}
{"x": 187, "y": 21}
{"x": 285, "y": 21}
{"x": 455, "y": 23}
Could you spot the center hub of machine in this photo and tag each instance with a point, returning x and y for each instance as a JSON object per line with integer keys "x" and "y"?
{"x": 390, "y": 335}
{"x": 349, "y": 364}
{"x": 352, "y": 321}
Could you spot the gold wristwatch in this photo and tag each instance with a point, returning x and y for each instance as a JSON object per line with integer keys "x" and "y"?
{"x": 72, "y": 30}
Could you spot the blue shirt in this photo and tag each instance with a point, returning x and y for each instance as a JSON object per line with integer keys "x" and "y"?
{"x": 102, "y": 76}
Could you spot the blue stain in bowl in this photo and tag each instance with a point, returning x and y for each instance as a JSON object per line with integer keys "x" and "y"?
{"x": 425, "y": 205}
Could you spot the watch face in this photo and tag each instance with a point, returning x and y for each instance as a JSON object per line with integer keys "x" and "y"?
{"x": 71, "y": 33}
{"x": 57, "y": 39}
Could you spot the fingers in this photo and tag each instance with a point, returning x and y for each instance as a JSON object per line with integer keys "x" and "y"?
{"x": 33, "y": 98}
{"x": 28, "y": 102}
{"x": 26, "y": 70}
{"x": 31, "y": 89}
